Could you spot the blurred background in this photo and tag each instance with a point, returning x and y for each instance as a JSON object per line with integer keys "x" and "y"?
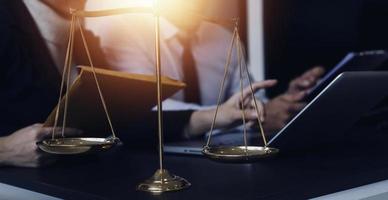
{"x": 285, "y": 38}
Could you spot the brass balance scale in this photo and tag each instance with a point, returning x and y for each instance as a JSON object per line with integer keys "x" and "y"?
{"x": 242, "y": 153}
{"x": 65, "y": 145}
{"x": 162, "y": 180}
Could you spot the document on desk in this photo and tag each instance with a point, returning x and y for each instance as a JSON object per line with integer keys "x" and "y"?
{"x": 9, "y": 192}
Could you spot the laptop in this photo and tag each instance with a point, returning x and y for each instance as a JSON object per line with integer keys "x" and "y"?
{"x": 225, "y": 138}
{"x": 337, "y": 107}
{"x": 333, "y": 111}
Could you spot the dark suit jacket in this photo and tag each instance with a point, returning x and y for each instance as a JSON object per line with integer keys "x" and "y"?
{"x": 29, "y": 81}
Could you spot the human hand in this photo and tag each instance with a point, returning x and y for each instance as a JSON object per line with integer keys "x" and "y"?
{"x": 306, "y": 81}
{"x": 280, "y": 109}
{"x": 229, "y": 113}
{"x": 20, "y": 149}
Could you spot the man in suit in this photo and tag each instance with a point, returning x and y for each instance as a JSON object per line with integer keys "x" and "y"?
{"x": 31, "y": 48}
{"x": 29, "y": 78}
{"x": 194, "y": 51}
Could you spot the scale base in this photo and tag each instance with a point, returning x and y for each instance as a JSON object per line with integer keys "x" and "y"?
{"x": 163, "y": 181}
{"x": 239, "y": 154}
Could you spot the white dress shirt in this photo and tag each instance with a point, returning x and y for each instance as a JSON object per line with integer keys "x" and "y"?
{"x": 128, "y": 42}
{"x": 54, "y": 30}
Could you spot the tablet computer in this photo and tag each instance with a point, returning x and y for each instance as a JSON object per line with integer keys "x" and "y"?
{"x": 353, "y": 61}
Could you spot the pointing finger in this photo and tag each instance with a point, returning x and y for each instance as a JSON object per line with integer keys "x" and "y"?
{"x": 257, "y": 86}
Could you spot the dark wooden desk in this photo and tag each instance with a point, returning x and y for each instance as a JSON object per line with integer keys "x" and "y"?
{"x": 115, "y": 175}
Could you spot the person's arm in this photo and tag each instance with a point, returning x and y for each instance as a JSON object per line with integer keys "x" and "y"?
{"x": 229, "y": 113}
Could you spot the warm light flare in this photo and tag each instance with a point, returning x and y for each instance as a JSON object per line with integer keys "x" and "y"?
{"x": 179, "y": 12}
{"x": 114, "y": 4}
{"x": 183, "y": 5}
{"x": 185, "y": 14}
{"x": 142, "y": 3}
{"x": 188, "y": 5}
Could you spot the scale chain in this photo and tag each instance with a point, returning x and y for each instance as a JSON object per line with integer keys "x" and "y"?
{"x": 68, "y": 69}
{"x": 96, "y": 79}
{"x": 226, "y": 73}
{"x": 240, "y": 49}
{"x": 242, "y": 93}
{"x": 68, "y": 51}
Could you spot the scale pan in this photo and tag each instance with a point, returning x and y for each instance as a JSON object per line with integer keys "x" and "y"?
{"x": 68, "y": 146}
{"x": 239, "y": 154}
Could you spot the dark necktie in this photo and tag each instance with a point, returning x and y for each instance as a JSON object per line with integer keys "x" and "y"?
{"x": 191, "y": 92}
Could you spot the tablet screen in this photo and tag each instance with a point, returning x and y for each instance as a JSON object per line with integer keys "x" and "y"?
{"x": 362, "y": 61}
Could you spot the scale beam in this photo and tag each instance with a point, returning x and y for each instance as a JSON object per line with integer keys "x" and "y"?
{"x": 119, "y": 11}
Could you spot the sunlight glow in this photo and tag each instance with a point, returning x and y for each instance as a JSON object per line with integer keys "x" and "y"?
{"x": 113, "y": 4}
